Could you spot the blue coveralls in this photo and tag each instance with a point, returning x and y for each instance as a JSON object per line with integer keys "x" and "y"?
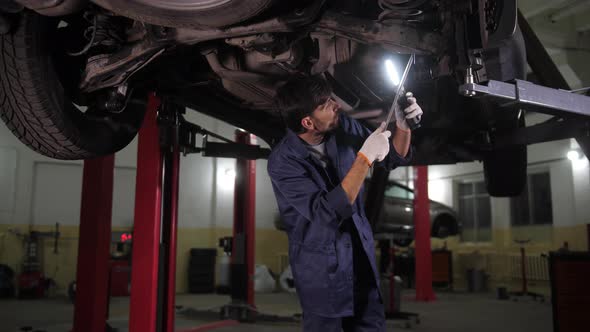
{"x": 327, "y": 235}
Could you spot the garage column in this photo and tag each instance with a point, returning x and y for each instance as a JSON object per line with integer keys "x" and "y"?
{"x": 143, "y": 313}
{"x": 92, "y": 273}
{"x": 424, "y": 291}
{"x": 244, "y": 225}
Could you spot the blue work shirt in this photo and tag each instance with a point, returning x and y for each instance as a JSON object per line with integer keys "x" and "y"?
{"x": 315, "y": 210}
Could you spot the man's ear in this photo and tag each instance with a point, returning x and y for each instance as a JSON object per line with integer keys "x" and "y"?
{"x": 307, "y": 123}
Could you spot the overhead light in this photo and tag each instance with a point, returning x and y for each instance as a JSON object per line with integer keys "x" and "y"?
{"x": 230, "y": 173}
{"x": 573, "y": 155}
{"x": 579, "y": 161}
{"x": 227, "y": 179}
{"x": 408, "y": 209}
{"x": 392, "y": 72}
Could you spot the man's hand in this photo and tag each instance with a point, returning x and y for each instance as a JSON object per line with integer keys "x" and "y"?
{"x": 376, "y": 146}
{"x": 412, "y": 111}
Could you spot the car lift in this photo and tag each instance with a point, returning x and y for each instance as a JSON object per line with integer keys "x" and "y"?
{"x": 162, "y": 137}
{"x": 574, "y": 107}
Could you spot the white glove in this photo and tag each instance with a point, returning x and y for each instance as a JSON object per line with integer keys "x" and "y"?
{"x": 376, "y": 146}
{"x": 412, "y": 111}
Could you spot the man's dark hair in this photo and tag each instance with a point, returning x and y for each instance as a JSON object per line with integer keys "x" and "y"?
{"x": 299, "y": 97}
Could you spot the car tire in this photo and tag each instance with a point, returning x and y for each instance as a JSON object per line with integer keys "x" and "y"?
{"x": 35, "y": 105}
{"x": 403, "y": 243}
{"x": 444, "y": 226}
{"x": 505, "y": 168}
{"x": 224, "y": 13}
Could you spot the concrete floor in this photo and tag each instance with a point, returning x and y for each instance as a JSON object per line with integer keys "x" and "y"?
{"x": 457, "y": 312}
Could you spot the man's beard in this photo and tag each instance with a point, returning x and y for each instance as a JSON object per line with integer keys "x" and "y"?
{"x": 332, "y": 126}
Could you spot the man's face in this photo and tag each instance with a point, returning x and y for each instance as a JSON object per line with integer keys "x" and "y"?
{"x": 325, "y": 116}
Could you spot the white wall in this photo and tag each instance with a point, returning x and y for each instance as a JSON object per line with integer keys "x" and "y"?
{"x": 56, "y": 194}
{"x": 39, "y": 190}
{"x": 581, "y": 183}
{"x": 570, "y": 184}
{"x": 7, "y": 179}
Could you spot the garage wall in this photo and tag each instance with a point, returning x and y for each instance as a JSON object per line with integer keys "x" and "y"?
{"x": 570, "y": 185}
{"x": 7, "y": 180}
{"x": 50, "y": 187}
{"x": 57, "y": 189}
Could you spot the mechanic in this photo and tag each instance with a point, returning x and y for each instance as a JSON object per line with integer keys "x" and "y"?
{"x": 317, "y": 173}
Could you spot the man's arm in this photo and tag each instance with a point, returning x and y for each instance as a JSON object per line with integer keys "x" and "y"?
{"x": 294, "y": 186}
{"x": 353, "y": 181}
{"x": 401, "y": 141}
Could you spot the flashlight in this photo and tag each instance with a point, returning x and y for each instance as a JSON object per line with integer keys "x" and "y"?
{"x": 413, "y": 123}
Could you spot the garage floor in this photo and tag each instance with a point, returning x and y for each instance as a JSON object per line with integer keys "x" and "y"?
{"x": 455, "y": 312}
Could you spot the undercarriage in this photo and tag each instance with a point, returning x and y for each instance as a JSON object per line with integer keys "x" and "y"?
{"x": 226, "y": 59}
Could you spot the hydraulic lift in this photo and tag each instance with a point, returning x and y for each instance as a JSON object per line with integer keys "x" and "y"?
{"x": 163, "y": 136}
{"x": 570, "y": 109}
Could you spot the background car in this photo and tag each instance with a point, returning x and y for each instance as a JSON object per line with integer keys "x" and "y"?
{"x": 397, "y": 216}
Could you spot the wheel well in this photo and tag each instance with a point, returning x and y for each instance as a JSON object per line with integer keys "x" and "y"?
{"x": 444, "y": 225}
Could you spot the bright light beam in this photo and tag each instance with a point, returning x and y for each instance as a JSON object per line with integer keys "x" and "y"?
{"x": 392, "y": 72}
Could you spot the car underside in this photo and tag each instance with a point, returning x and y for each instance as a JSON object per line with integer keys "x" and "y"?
{"x": 76, "y": 73}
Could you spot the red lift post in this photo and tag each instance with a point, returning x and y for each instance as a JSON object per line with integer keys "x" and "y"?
{"x": 146, "y": 227}
{"x": 245, "y": 213}
{"x": 156, "y": 215}
{"x": 170, "y": 213}
{"x": 92, "y": 273}
{"x": 242, "y": 306}
{"x": 424, "y": 291}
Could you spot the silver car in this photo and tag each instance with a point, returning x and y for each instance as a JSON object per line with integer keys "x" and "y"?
{"x": 397, "y": 216}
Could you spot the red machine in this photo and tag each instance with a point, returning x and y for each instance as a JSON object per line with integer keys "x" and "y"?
{"x": 32, "y": 283}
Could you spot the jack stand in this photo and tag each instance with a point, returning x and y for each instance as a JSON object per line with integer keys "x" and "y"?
{"x": 388, "y": 253}
{"x": 525, "y": 291}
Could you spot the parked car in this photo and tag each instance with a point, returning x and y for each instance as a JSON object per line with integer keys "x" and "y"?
{"x": 75, "y": 74}
{"x": 397, "y": 216}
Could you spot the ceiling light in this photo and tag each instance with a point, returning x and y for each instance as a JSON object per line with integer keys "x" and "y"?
{"x": 573, "y": 155}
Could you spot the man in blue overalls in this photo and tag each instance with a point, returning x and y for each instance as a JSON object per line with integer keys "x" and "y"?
{"x": 317, "y": 173}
